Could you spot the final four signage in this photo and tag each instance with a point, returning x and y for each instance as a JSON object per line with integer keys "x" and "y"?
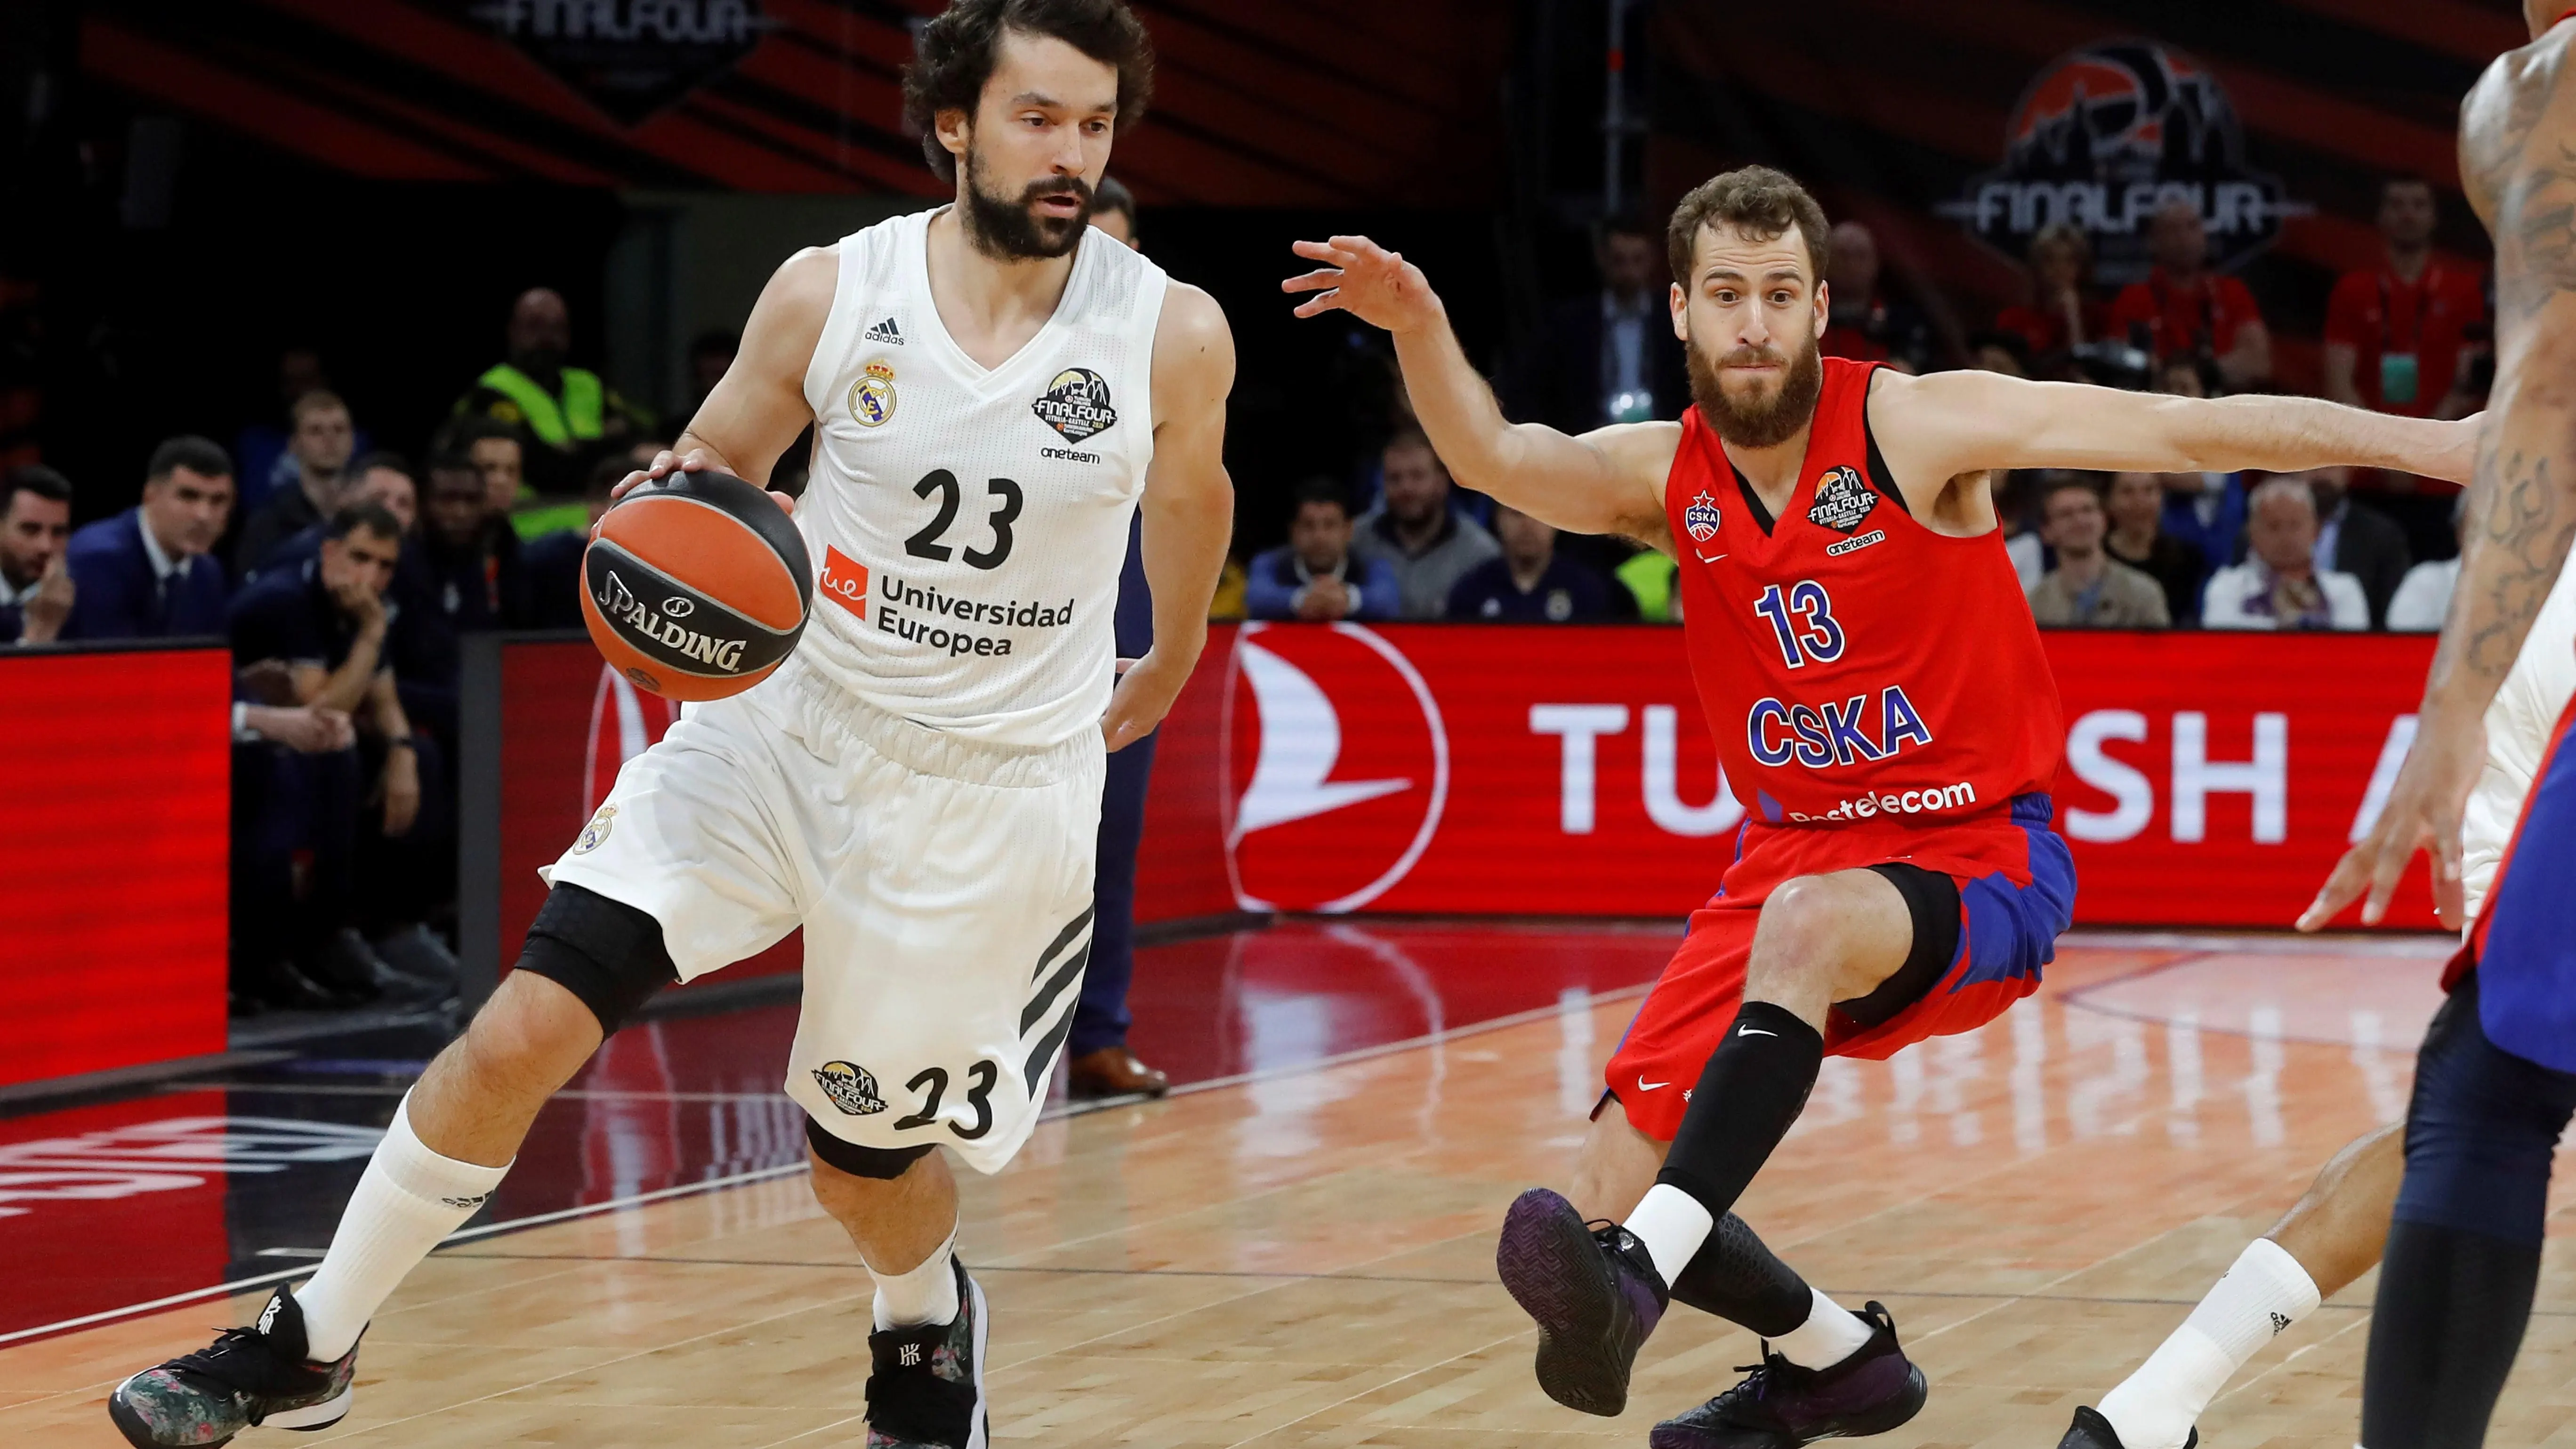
{"x": 630, "y": 58}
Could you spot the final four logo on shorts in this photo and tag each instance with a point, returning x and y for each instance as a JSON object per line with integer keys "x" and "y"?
{"x": 1701, "y": 518}
{"x": 1842, "y": 500}
{"x": 850, "y": 1088}
{"x": 596, "y": 831}
{"x": 1076, "y": 404}
{"x": 872, "y": 396}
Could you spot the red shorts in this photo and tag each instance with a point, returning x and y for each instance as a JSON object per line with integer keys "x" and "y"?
{"x": 2016, "y": 895}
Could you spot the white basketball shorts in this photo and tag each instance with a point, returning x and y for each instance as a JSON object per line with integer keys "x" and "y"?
{"x": 944, "y": 887}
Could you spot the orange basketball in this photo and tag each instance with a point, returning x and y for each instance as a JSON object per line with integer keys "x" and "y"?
{"x": 696, "y": 587}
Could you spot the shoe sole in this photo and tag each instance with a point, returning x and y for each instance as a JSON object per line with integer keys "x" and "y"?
{"x": 306, "y": 1420}
{"x": 314, "y": 1416}
{"x": 1552, "y": 1268}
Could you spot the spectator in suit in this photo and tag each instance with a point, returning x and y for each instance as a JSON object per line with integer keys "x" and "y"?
{"x": 2135, "y": 506}
{"x": 2354, "y": 538}
{"x": 2062, "y": 313}
{"x": 383, "y": 479}
{"x": 1416, "y": 532}
{"x": 147, "y": 573}
{"x": 2088, "y": 588}
{"x": 35, "y": 585}
{"x": 2279, "y": 586}
{"x": 1609, "y": 356}
{"x": 329, "y": 624}
{"x": 1530, "y": 583}
{"x": 318, "y": 450}
{"x": 2183, "y": 309}
{"x": 1316, "y": 574}
{"x": 2397, "y": 333}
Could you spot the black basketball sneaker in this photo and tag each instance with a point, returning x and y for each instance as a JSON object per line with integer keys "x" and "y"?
{"x": 1593, "y": 1291}
{"x": 247, "y": 1376}
{"x": 1780, "y": 1405}
{"x": 926, "y": 1384}
{"x": 2091, "y": 1431}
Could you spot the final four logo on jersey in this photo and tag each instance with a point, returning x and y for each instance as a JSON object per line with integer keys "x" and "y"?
{"x": 1076, "y": 404}
{"x": 1842, "y": 500}
{"x": 1701, "y": 518}
{"x": 851, "y": 1088}
{"x": 872, "y": 396}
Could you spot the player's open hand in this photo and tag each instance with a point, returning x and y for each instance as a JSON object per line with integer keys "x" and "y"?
{"x": 1360, "y": 277}
{"x": 2423, "y": 813}
{"x": 1146, "y": 689}
{"x": 664, "y": 464}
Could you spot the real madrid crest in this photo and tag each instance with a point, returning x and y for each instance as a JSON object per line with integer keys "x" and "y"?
{"x": 872, "y": 396}
{"x": 596, "y": 831}
{"x": 1700, "y": 519}
{"x": 1842, "y": 500}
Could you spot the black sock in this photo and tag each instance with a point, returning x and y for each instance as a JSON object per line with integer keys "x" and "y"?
{"x": 1753, "y": 1087}
{"x": 2443, "y": 1333}
{"x": 1735, "y": 1277}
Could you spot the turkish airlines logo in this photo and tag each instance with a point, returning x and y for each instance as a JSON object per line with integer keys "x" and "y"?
{"x": 1337, "y": 767}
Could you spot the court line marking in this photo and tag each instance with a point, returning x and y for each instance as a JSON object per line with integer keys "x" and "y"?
{"x": 1056, "y": 1112}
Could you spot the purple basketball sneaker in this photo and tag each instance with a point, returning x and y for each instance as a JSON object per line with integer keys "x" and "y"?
{"x": 1593, "y": 1291}
{"x": 1780, "y": 1405}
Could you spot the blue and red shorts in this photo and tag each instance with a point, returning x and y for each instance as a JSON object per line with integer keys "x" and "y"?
{"x": 2524, "y": 944}
{"x": 2016, "y": 884}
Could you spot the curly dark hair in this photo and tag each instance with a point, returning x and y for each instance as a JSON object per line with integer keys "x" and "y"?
{"x": 1755, "y": 200}
{"x": 955, "y": 53}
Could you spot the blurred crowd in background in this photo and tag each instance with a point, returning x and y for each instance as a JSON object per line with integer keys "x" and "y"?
{"x": 344, "y": 566}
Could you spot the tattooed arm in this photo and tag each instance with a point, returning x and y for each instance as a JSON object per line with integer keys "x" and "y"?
{"x": 2518, "y": 157}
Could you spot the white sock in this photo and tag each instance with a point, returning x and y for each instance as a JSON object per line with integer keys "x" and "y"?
{"x": 1831, "y": 1334}
{"x": 408, "y": 1198}
{"x": 926, "y": 1294}
{"x": 1672, "y": 1225}
{"x": 2264, "y": 1292}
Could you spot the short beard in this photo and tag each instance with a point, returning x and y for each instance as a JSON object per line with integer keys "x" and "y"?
{"x": 1758, "y": 424}
{"x": 1007, "y": 229}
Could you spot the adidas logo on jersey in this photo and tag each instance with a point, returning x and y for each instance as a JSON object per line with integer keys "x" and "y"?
{"x": 885, "y": 332}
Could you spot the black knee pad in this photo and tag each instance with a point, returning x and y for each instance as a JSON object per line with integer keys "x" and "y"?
{"x": 1932, "y": 900}
{"x": 884, "y": 1164}
{"x": 605, "y": 952}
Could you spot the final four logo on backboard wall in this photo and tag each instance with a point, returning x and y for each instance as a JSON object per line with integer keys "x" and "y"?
{"x": 1701, "y": 518}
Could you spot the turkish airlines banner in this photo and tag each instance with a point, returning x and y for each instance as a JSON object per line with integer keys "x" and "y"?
{"x": 2211, "y": 779}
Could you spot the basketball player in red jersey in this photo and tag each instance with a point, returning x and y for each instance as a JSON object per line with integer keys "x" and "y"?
{"x": 1882, "y": 706}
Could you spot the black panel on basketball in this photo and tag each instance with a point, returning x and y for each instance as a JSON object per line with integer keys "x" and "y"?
{"x": 697, "y": 586}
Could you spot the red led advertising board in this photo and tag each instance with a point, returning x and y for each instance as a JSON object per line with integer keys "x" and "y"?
{"x": 116, "y": 789}
{"x": 2211, "y": 779}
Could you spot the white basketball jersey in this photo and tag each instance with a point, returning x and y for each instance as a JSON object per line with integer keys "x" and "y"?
{"x": 968, "y": 524}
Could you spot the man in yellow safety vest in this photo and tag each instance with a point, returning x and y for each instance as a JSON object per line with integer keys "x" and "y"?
{"x": 567, "y": 415}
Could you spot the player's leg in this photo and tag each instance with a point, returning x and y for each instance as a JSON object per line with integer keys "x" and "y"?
{"x": 588, "y": 964}
{"x": 1597, "y": 1293}
{"x": 2464, "y": 1245}
{"x": 2330, "y": 1237}
{"x": 925, "y": 1382}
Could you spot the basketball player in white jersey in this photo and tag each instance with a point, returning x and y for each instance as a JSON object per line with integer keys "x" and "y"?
{"x": 993, "y": 391}
{"x": 2336, "y": 1233}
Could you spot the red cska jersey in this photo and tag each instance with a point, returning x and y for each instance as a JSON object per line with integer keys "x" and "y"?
{"x": 1863, "y": 674}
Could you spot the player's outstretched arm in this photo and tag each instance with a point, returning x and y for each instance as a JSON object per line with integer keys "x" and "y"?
{"x": 1948, "y": 423}
{"x": 759, "y": 406}
{"x": 2514, "y": 146}
{"x": 1188, "y": 508}
{"x": 1606, "y": 481}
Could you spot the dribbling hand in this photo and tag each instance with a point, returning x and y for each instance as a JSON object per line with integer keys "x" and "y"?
{"x": 1360, "y": 277}
{"x": 666, "y": 463}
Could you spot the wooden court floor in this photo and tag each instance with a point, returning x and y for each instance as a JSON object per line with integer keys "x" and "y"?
{"x": 1307, "y": 1260}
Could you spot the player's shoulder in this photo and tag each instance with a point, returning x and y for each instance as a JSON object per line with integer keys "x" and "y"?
{"x": 1642, "y": 451}
{"x": 1192, "y": 331}
{"x": 808, "y": 278}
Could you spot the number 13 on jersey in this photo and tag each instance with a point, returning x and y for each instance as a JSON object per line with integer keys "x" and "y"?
{"x": 1802, "y": 616}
